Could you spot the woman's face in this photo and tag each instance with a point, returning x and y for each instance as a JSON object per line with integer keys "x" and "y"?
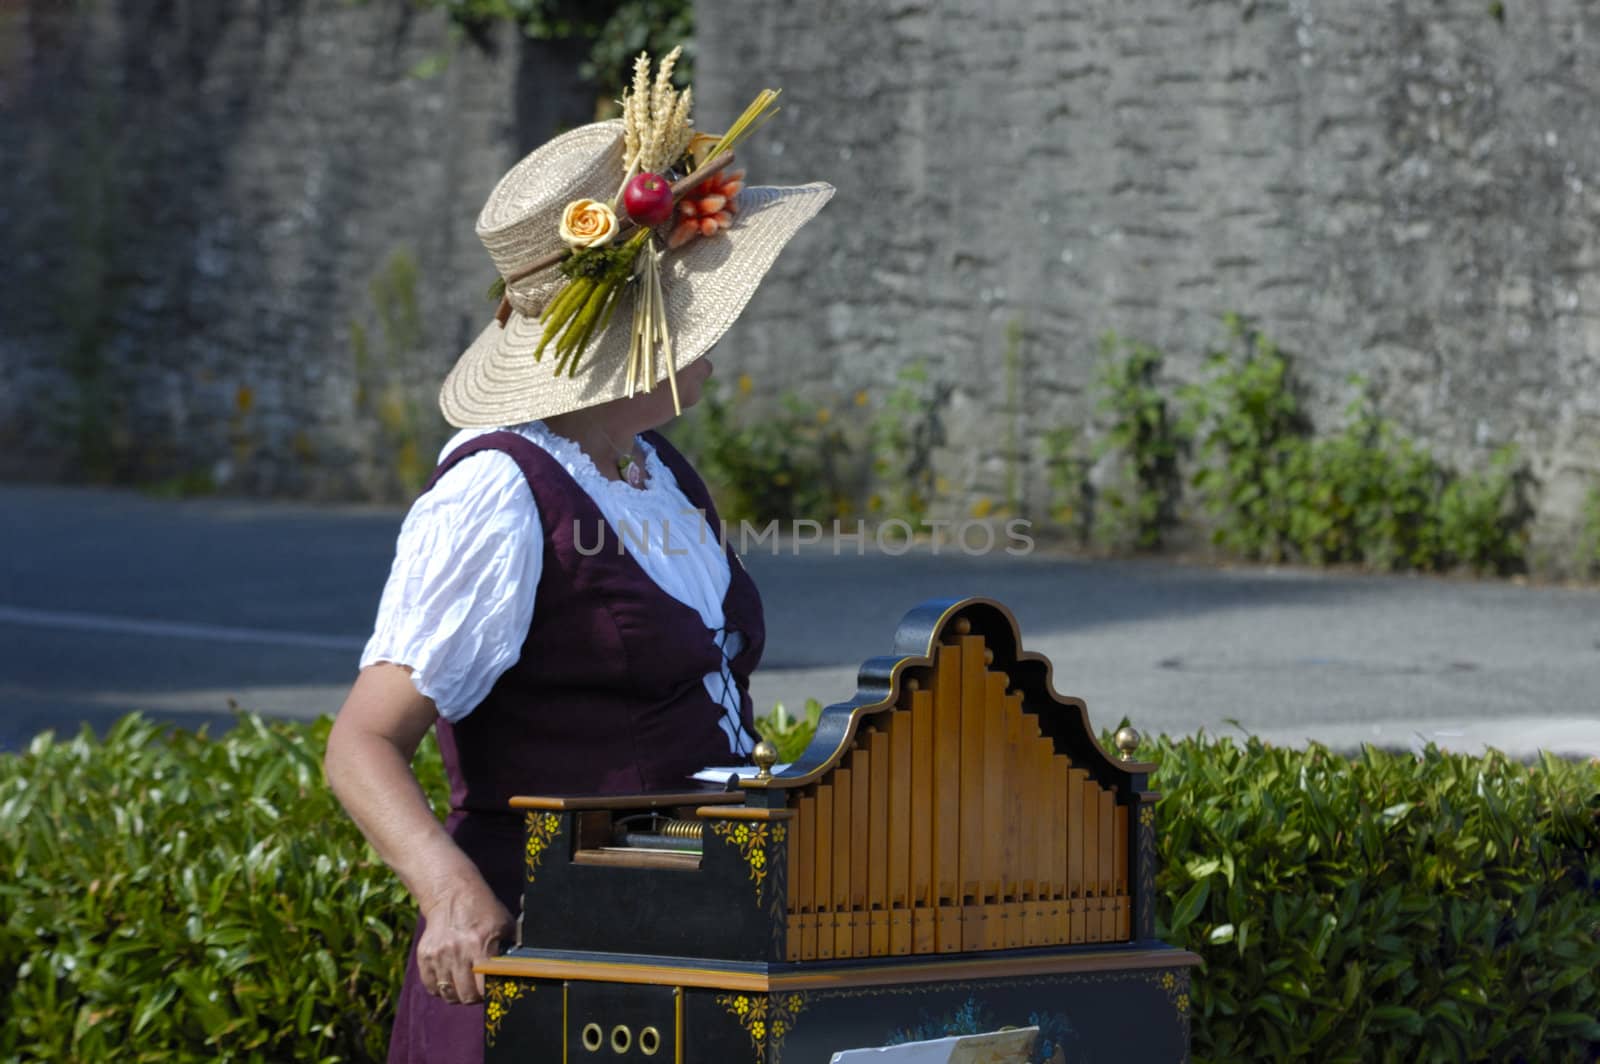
{"x": 692, "y": 381}
{"x": 654, "y": 408}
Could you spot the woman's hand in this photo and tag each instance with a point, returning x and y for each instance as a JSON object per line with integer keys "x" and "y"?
{"x": 464, "y": 927}
{"x": 368, "y": 764}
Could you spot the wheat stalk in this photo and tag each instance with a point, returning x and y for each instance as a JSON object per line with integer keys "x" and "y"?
{"x": 632, "y": 122}
{"x": 655, "y": 118}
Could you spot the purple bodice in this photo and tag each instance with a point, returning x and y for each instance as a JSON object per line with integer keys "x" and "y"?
{"x": 608, "y": 697}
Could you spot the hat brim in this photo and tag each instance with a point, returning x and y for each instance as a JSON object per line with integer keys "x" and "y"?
{"x": 705, "y": 285}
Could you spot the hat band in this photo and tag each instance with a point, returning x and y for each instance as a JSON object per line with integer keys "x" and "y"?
{"x": 521, "y": 302}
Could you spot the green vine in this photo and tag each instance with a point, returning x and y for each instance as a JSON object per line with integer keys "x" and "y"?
{"x": 1366, "y": 493}
{"x": 1251, "y": 434}
{"x": 1014, "y": 453}
{"x": 904, "y": 435}
{"x": 385, "y": 370}
{"x": 1147, "y": 438}
{"x": 1072, "y": 493}
{"x": 768, "y": 463}
{"x": 90, "y": 288}
{"x": 1589, "y": 535}
{"x": 614, "y": 30}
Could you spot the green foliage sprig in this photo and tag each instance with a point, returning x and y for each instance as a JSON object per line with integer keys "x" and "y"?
{"x": 583, "y": 306}
{"x": 791, "y": 735}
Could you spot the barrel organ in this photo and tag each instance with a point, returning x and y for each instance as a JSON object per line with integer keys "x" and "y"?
{"x": 954, "y": 838}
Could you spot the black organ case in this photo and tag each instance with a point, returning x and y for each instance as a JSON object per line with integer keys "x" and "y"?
{"x": 954, "y": 852}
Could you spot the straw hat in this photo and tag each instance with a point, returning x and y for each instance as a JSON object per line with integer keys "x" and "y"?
{"x": 705, "y": 284}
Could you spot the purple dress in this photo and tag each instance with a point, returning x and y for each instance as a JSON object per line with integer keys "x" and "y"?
{"x": 608, "y": 697}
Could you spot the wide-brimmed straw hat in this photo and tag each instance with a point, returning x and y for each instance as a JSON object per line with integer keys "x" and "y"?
{"x": 705, "y": 284}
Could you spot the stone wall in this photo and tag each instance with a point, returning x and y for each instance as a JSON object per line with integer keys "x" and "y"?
{"x": 238, "y": 237}
{"x": 1402, "y": 189}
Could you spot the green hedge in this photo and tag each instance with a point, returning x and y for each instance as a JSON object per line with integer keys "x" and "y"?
{"x": 170, "y": 896}
{"x": 166, "y": 896}
{"x": 1386, "y": 908}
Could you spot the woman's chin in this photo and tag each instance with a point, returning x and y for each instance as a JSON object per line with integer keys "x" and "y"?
{"x": 692, "y": 379}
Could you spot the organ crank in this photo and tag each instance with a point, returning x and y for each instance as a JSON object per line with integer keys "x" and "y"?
{"x": 953, "y": 853}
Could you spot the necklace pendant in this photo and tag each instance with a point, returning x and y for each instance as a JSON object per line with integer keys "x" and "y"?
{"x": 631, "y": 471}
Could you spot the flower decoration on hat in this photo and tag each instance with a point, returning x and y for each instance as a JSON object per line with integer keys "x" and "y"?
{"x": 676, "y": 187}
{"x": 588, "y": 223}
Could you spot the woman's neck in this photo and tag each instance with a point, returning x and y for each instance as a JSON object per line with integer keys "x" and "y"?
{"x": 605, "y": 441}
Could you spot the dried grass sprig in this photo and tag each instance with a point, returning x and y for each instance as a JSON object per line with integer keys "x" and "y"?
{"x": 651, "y": 335}
{"x": 762, "y": 108}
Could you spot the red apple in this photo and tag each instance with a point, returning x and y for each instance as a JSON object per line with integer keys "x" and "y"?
{"x": 648, "y": 199}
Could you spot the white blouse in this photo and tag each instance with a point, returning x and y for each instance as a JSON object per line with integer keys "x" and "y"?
{"x": 460, "y": 594}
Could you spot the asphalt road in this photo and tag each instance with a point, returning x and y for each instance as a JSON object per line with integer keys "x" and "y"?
{"x": 110, "y": 601}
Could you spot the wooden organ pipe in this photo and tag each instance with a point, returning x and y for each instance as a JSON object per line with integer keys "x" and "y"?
{"x": 953, "y": 824}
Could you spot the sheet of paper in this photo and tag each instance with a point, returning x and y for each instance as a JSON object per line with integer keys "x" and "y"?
{"x": 1000, "y": 1047}
{"x": 720, "y": 774}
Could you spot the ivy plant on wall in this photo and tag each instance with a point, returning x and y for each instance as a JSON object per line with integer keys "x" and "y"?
{"x": 617, "y": 30}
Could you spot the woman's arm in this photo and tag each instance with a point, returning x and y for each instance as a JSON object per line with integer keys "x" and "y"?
{"x": 368, "y": 764}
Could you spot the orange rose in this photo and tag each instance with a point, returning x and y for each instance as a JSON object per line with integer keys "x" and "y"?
{"x": 588, "y": 223}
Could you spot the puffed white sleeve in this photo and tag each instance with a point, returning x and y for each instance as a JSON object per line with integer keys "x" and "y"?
{"x": 459, "y": 597}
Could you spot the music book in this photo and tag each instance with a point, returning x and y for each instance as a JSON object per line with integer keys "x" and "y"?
{"x": 721, "y": 773}
{"x": 999, "y": 1047}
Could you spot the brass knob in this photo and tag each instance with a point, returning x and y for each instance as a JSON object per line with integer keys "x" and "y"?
{"x": 765, "y": 756}
{"x": 1127, "y": 740}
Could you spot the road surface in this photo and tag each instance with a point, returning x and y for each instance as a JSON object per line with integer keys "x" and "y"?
{"x": 111, "y": 601}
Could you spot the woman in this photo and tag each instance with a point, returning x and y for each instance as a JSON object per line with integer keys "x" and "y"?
{"x": 557, "y": 609}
